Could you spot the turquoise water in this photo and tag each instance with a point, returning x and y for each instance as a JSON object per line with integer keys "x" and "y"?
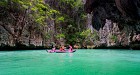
{"x": 82, "y": 62}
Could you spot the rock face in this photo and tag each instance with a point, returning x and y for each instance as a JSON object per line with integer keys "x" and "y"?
{"x": 27, "y": 37}
{"x": 129, "y": 7}
{"x": 16, "y": 29}
{"x": 118, "y": 21}
{"x": 126, "y": 7}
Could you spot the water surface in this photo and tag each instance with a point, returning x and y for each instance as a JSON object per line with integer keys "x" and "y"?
{"x": 82, "y": 62}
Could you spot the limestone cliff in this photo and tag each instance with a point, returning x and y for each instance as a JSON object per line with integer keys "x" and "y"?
{"x": 17, "y": 28}
{"x": 118, "y": 21}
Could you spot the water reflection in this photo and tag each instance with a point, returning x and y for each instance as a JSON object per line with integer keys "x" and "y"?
{"x": 70, "y": 57}
{"x": 70, "y": 54}
{"x": 66, "y": 57}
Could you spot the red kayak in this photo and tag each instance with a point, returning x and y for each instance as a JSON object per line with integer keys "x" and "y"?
{"x": 58, "y": 51}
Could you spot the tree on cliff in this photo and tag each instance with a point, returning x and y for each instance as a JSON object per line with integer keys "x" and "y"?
{"x": 48, "y": 18}
{"x": 18, "y": 14}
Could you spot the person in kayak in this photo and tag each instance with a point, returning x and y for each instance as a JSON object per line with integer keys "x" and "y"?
{"x": 62, "y": 48}
{"x": 70, "y": 48}
{"x": 53, "y": 49}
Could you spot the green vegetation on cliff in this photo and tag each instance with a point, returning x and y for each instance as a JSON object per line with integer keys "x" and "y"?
{"x": 58, "y": 21}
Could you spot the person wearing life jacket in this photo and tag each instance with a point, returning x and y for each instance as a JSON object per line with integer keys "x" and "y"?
{"x": 70, "y": 48}
{"x": 62, "y": 48}
{"x": 53, "y": 49}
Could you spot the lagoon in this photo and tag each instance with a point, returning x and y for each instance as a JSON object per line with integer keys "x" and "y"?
{"x": 82, "y": 62}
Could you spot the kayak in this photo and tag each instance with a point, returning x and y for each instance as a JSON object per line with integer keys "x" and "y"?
{"x": 58, "y": 51}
